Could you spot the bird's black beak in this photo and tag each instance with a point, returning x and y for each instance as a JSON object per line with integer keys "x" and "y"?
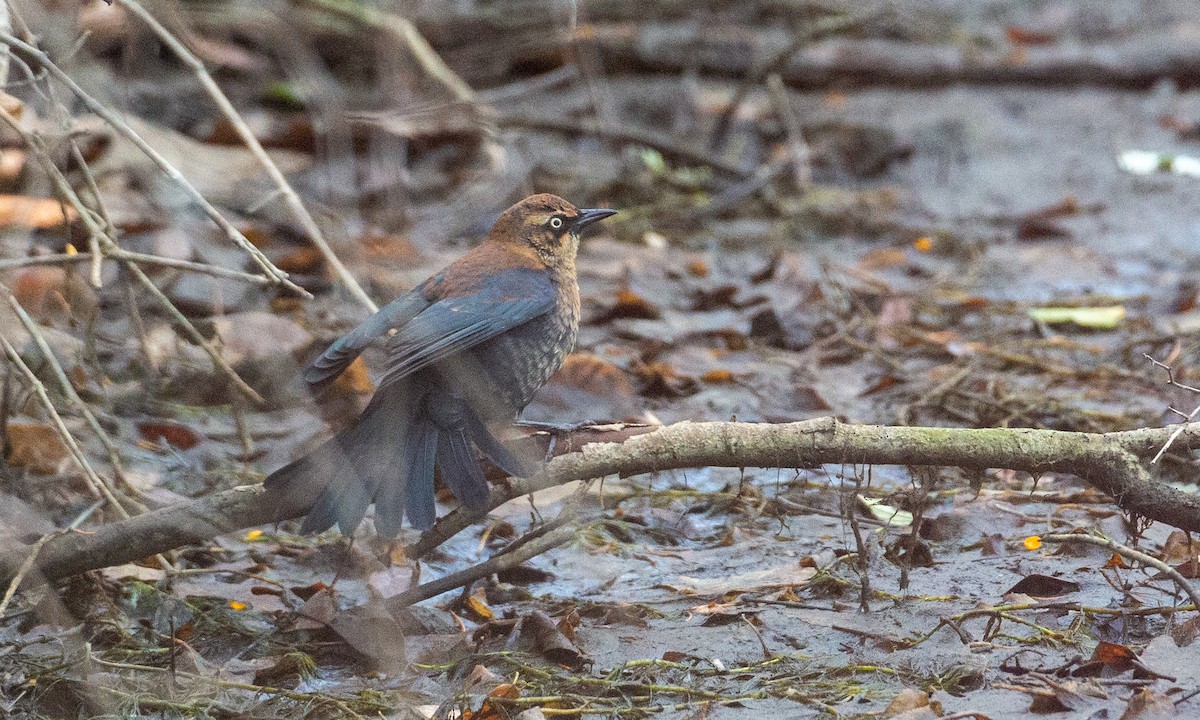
{"x": 587, "y": 217}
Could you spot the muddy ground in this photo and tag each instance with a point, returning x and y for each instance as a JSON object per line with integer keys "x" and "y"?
{"x": 893, "y": 287}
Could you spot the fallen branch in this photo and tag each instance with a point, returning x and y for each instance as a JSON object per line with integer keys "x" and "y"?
{"x": 739, "y": 51}
{"x": 1110, "y": 462}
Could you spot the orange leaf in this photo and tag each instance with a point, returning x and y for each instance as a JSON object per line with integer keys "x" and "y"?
{"x": 36, "y": 447}
{"x": 697, "y": 267}
{"x": 717, "y": 377}
{"x": 34, "y": 213}
{"x": 176, "y": 434}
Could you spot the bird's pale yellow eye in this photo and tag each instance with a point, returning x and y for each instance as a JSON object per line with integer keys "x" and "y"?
{"x": 556, "y": 223}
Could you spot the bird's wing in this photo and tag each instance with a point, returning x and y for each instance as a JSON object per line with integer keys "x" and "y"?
{"x": 454, "y": 324}
{"x": 342, "y": 352}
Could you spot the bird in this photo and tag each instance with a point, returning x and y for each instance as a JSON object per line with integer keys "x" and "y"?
{"x": 468, "y": 348}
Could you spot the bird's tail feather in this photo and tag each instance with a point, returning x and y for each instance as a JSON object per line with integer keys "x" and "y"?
{"x": 347, "y": 472}
{"x": 388, "y": 458}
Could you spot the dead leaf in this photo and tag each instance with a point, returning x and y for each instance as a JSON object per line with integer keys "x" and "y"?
{"x": 793, "y": 574}
{"x": 1043, "y": 586}
{"x": 34, "y": 213}
{"x": 175, "y": 434}
{"x": 538, "y": 633}
{"x": 1025, "y": 36}
{"x": 37, "y": 448}
{"x": 1149, "y": 705}
{"x": 906, "y": 700}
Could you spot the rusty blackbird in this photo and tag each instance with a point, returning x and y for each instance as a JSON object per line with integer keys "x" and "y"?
{"x": 472, "y": 345}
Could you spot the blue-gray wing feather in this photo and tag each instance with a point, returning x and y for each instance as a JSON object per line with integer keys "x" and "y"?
{"x": 455, "y": 324}
{"x": 341, "y": 353}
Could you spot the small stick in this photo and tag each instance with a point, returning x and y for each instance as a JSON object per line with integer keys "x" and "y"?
{"x": 39, "y": 339}
{"x": 247, "y": 136}
{"x": 798, "y": 149}
{"x": 491, "y": 566}
{"x": 121, "y": 254}
{"x": 1135, "y": 555}
{"x": 165, "y": 166}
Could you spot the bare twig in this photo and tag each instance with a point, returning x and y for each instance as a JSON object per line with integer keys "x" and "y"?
{"x": 626, "y": 135}
{"x": 247, "y": 136}
{"x": 143, "y": 258}
{"x": 495, "y": 564}
{"x": 166, "y": 167}
{"x": 35, "y": 144}
{"x": 798, "y": 150}
{"x": 1132, "y": 554}
{"x": 1187, "y": 418}
{"x": 68, "y": 389}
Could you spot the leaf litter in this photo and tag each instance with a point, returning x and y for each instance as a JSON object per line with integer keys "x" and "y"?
{"x": 907, "y": 286}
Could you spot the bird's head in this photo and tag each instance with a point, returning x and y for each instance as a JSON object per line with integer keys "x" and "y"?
{"x": 547, "y": 225}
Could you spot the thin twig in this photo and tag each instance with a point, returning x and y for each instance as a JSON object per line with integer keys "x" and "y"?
{"x": 495, "y": 564}
{"x": 34, "y": 143}
{"x": 68, "y": 389}
{"x": 163, "y": 164}
{"x": 798, "y": 150}
{"x": 1135, "y": 555}
{"x": 626, "y": 135}
{"x": 1189, "y": 417}
{"x": 256, "y": 149}
{"x": 121, "y": 254}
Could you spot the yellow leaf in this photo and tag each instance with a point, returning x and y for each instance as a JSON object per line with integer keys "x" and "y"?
{"x": 1033, "y": 542}
{"x": 923, "y": 244}
{"x": 1104, "y": 318}
{"x": 479, "y": 607}
{"x": 236, "y": 605}
{"x": 253, "y": 535}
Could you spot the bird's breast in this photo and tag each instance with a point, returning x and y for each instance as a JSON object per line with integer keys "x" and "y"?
{"x": 521, "y": 360}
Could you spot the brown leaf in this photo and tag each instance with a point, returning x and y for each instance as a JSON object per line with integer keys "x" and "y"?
{"x": 303, "y": 261}
{"x": 882, "y": 259}
{"x": 175, "y": 434}
{"x": 34, "y": 213}
{"x": 885, "y": 381}
{"x": 37, "y": 448}
{"x": 1180, "y": 547}
{"x": 1149, "y": 705}
{"x": 1026, "y": 36}
{"x": 539, "y": 633}
{"x": 717, "y": 377}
